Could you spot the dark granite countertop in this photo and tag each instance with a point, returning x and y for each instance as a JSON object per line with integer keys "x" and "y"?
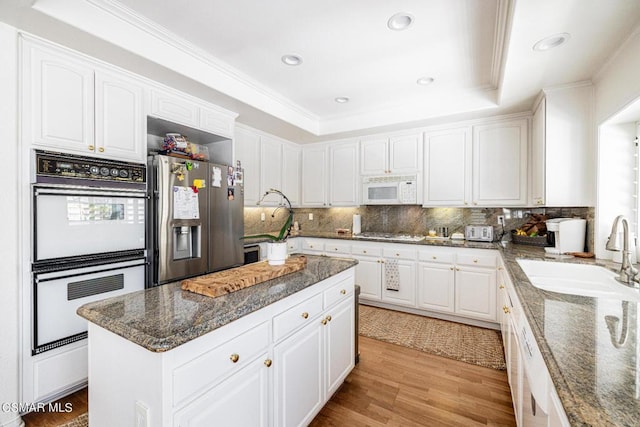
{"x": 165, "y": 317}
{"x": 597, "y": 382}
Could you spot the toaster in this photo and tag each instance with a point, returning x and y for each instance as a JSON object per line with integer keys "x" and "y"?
{"x": 479, "y": 233}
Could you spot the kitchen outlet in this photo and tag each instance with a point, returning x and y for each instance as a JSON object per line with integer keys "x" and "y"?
{"x": 501, "y": 219}
{"x": 310, "y": 217}
{"x": 262, "y": 216}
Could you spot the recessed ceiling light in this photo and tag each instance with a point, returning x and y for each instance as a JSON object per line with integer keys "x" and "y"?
{"x": 551, "y": 42}
{"x": 342, "y": 100}
{"x": 291, "y": 59}
{"x": 400, "y": 21}
{"x": 424, "y": 81}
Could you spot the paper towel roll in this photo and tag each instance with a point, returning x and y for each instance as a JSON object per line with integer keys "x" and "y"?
{"x": 357, "y": 224}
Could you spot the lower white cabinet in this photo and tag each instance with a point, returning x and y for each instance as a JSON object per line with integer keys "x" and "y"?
{"x": 460, "y": 282}
{"x": 369, "y": 277}
{"x": 404, "y": 272}
{"x": 228, "y": 402}
{"x": 276, "y": 366}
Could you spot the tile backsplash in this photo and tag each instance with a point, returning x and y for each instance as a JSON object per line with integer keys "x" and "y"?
{"x": 414, "y": 220}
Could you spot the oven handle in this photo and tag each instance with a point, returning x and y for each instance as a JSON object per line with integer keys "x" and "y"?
{"x": 80, "y": 271}
{"x": 80, "y": 191}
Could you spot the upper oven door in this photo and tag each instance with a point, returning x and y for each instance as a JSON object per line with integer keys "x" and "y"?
{"x": 70, "y": 222}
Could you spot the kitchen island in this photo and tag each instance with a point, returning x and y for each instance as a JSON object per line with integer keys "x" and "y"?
{"x": 275, "y": 351}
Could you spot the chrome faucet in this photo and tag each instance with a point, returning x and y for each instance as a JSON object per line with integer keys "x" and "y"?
{"x": 627, "y": 273}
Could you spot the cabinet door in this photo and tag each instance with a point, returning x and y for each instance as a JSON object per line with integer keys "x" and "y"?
{"x": 500, "y": 164}
{"x": 406, "y": 293}
{"x": 241, "y": 400}
{"x": 216, "y": 122}
{"x": 291, "y": 156}
{"x": 58, "y": 100}
{"x": 436, "y": 287}
{"x": 369, "y": 278}
{"x": 374, "y": 156}
{"x": 340, "y": 343}
{"x": 247, "y": 150}
{"x": 344, "y": 178}
{"x": 299, "y": 374}
{"x": 175, "y": 108}
{"x": 515, "y": 372}
{"x": 271, "y": 169}
{"x": 314, "y": 176}
{"x": 120, "y": 121}
{"x": 476, "y": 293}
{"x": 447, "y": 171}
{"x": 405, "y": 153}
{"x": 537, "y": 155}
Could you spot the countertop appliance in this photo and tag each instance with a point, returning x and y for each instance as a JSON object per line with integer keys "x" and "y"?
{"x": 479, "y": 233}
{"x": 390, "y": 190}
{"x": 88, "y": 219}
{"x": 566, "y": 234}
{"x": 196, "y": 211}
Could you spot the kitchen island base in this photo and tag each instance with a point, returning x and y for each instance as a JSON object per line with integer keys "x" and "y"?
{"x": 277, "y": 365}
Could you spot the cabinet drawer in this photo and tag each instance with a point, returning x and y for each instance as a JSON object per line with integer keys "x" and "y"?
{"x": 366, "y": 250}
{"x": 293, "y": 246}
{"x": 296, "y": 316}
{"x": 338, "y": 292}
{"x": 205, "y": 371}
{"x": 478, "y": 260}
{"x": 314, "y": 245}
{"x": 399, "y": 253}
{"x": 442, "y": 257}
{"x": 337, "y": 248}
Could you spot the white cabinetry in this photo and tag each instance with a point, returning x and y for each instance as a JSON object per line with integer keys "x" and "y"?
{"x": 330, "y": 174}
{"x": 74, "y": 105}
{"x": 314, "y": 176}
{"x": 179, "y": 108}
{"x": 276, "y": 366}
{"x": 447, "y": 167}
{"x": 500, "y": 163}
{"x": 268, "y": 162}
{"x": 396, "y": 154}
{"x": 344, "y": 180}
{"x": 562, "y": 154}
{"x": 314, "y": 361}
{"x": 461, "y": 282}
{"x": 247, "y": 150}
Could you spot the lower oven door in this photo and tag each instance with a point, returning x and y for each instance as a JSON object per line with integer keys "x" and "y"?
{"x": 58, "y": 294}
{"x": 71, "y": 222}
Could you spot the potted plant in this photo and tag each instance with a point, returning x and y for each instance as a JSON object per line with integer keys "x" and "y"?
{"x": 277, "y": 245}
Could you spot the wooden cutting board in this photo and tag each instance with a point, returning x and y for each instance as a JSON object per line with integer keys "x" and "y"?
{"x": 234, "y": 279}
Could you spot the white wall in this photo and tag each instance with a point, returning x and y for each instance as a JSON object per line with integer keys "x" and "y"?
{"x": 617, "y": 87}
{"x": 10, "y": 251}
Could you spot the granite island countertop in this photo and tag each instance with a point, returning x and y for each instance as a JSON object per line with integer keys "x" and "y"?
{"x": 164, "y": 317}
{"x": 598, "y": 382}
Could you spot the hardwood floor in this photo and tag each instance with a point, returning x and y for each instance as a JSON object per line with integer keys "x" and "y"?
{"x": 391, "y": 386}
{"x": 398, "y": 386}
{"x": 79, "y": 404}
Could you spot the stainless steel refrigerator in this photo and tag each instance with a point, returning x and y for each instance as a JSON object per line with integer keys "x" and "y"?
{"x": 196, "y": 218}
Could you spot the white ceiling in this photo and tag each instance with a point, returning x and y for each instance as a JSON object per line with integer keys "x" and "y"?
{"x": 478, "y": 51}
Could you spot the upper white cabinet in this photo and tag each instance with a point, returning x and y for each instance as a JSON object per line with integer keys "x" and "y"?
{"x": 391, "y": 154}
{"x": 344, "y": 179}
{"x": 330, "y": 174}
{"x": 562, "y": 154}
{"x": 247, "y": 150}
{"x": 314, "y": 176}
{"x": 291, "y": 172}
{"x": 268, "y": 162}
{"x": 120, "y": 132}
{"x": 74, "y": 105}
{"x": 500, "y": 163}
{"x": 447, "y": 167}
{"x": 179, "y": 108}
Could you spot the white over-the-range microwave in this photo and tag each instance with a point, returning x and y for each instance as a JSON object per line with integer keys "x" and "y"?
{"x": 390, "y": 190}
